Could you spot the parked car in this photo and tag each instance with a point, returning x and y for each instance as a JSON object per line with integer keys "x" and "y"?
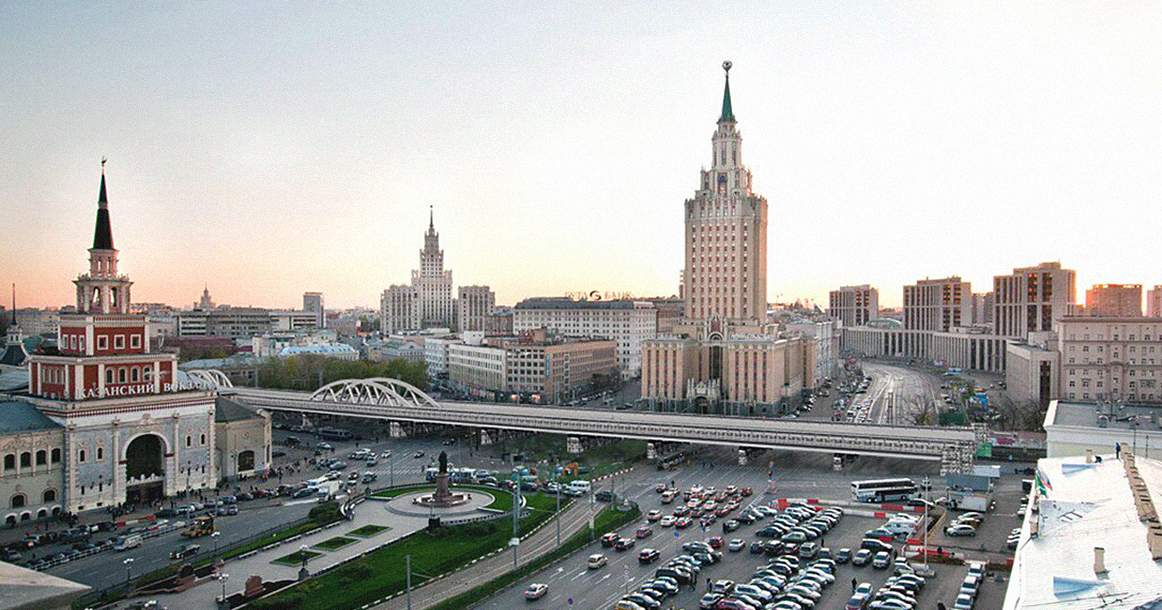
{"x": 862, "y": 557}
{"x": 960, "y": 530}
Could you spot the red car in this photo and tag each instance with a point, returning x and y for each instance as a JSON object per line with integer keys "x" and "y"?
{"x": 644, "y": 532}
{"x": 746, "y": 491}
{"x": 716, "y": 542}
{"x": 682, "y": 523}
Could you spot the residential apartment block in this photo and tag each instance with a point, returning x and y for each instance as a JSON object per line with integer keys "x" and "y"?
{"x": 1031, "y": 298}
{"x": 938, "y": 305}
{"x": 626, "y": 322}
{"x": 1114, "y": 300}
{"x": 854, "y": 305}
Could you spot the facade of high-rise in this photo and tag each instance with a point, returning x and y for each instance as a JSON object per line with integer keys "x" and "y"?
{"x": 854, "y": 305}
{"x": 724, "y": 356}
{"x": 627, "y": 322}
{"x": 399, "y": 309}
{"x": 726, "y": 234}
{"x": 433, "y": 283}
{"x": 1114, "y": 300}
{"x": 313, "y": 303}
{"x": 1031, "y": 298}
{"x": 938, "y": 305}
{"x": 473, "y": 305}
{"x": 982, "y": 309}
{"x": 1154, "y": 302}
{"x": 1107, "y": 358}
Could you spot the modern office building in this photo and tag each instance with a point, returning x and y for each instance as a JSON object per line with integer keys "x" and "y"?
{"x": 938, "y": 305}
{"x": 854, "y": 305}
{"x": 627, "y": 322}
{"x": 1114, "y": 300}
{"x": 1031, "y": 298}
{"x": 313, "y": 303}
{"x": 983, "y": 307}
{"x": 473, "y": 305}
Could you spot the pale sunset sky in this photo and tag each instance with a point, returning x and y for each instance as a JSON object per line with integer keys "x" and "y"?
{"x": 266, "y": 149}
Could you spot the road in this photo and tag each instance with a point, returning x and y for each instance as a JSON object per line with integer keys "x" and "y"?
{"x": 900, "y": 394}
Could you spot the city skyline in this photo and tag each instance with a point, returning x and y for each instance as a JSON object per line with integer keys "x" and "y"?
{"x": 558, "y": 144}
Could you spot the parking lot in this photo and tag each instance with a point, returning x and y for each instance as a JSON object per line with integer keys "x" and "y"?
{"x": 571, "y": 583}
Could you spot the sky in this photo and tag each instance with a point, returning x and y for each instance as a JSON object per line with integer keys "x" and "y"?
{"x": 269, "y": 149}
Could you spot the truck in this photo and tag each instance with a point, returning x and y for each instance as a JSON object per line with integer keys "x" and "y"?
{"x": 200, "y": 526}
{"x": 328, "y": 490}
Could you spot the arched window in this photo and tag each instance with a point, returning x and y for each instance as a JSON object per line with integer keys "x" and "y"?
{"x": 100, "y": 453}
{"x": 81, "y": 458}
{"x": 108, "y": 376}
{"x": 121, "y": 374}
{"x": 203, "y": 438}
{"x": 133, "y": 373}
{"x": 189, "y": 440}
{"x": 10, "y": 461}
{"x": 41, "y": 457}
{"x": 56, "y": 456}
{"x": 49, "y": 496}
{"x": 26, "y": 459}
{"x": 147, "y": 374}
{"x": 18, "y": 501}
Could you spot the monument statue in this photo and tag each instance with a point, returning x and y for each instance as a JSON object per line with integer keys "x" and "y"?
{"x": 443, "y": 462}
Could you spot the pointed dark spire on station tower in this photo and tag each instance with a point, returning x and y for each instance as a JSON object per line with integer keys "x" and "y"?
{"x": 727, "y": 111}
{"x": 103, "y": 235}
{"x": 431, "y": 218}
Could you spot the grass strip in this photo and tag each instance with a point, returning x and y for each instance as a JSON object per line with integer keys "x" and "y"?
{"x": 337, "y": 542}
{"x": 297, "y": 557}
{"x": 378, "y": 575}
{"x": 606, "y": 521}
{"x": 368, "y": 531}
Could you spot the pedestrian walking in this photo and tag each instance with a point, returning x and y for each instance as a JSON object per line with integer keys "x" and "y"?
{"x": 854, "y": 584}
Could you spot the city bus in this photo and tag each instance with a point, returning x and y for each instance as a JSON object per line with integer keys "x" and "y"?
{"x": 455, "y": 475}
{"x": 672, "y": 460}
{"x": 883, "y": 490}
{"x": 335, "y": 434}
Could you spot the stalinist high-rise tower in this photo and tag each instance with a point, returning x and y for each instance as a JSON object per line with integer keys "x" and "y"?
{"x": 726, "y": 234}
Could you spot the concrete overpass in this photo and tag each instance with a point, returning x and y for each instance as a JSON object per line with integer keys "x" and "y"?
{"x": 396, "y": 401}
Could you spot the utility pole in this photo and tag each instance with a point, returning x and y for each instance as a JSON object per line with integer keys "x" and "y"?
{"x": 408, "y": 559}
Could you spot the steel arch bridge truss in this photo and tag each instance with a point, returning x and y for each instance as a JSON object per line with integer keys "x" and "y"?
{"x": 210, "y": 379}
{"x": 374, "y": 391}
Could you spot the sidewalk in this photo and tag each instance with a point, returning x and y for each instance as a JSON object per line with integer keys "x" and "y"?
{"x": 575, "y": 518}
{"x": 260, "y": 563}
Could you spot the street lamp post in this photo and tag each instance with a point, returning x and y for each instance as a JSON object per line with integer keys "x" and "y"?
{"x": 515, "y": 515}
{"x": 557, "y": 518}
{"x": 214, "y": 537}
{"x": 303, "y": 572}
{"x": 128, "y": 571}
{"x": 222, "y": 578}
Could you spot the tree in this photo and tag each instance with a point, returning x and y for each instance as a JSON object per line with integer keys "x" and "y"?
{"x": 310, "y": 372}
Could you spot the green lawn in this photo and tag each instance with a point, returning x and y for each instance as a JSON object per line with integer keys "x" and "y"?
{"x": 368, "y": 530}
{"x": 296, "y": 557}
{"x": 337, "y": 542}
{"x": 380, "y": 574}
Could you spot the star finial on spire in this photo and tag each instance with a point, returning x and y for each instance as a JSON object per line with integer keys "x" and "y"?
{"x": 727, "y": 111}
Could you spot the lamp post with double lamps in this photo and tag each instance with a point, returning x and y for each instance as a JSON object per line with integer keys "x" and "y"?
{"x": 222, "y": 602}
{"x": 128, "y": 571}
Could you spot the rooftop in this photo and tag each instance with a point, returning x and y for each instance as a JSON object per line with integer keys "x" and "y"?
{"x": 564, "y": 303}
{"x": 18, "y": 416}
{"x": 1082, "y": 506}
{"x": 1103, "y": 415}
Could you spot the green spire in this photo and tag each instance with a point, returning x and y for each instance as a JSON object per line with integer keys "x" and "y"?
{"x": 727, "y": 111}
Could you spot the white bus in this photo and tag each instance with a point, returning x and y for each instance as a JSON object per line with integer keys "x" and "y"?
{"x": 883, "y": 490}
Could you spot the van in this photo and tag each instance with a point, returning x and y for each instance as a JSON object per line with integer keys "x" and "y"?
{"x": 581, "y": 485}
{"x": 900, "y": 526}
{"x": 124, "y": 543}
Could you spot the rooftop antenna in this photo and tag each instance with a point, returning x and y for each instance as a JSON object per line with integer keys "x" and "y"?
{"x": 14, "y": 302}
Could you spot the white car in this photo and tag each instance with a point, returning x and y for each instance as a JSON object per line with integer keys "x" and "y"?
{"x": 667, "y": 521}
{"x": 596, "y": 560}
{"x": 736, "y": 545}
{"x": 536, "y": 590}
{"x": 961, "y": 529}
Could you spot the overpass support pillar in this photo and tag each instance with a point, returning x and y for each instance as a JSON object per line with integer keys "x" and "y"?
{"x": 573, "y": 445}
{"x": 397, "y": 430}
{"x": 651, "y": 451}
{"x": 742, "y": 457}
